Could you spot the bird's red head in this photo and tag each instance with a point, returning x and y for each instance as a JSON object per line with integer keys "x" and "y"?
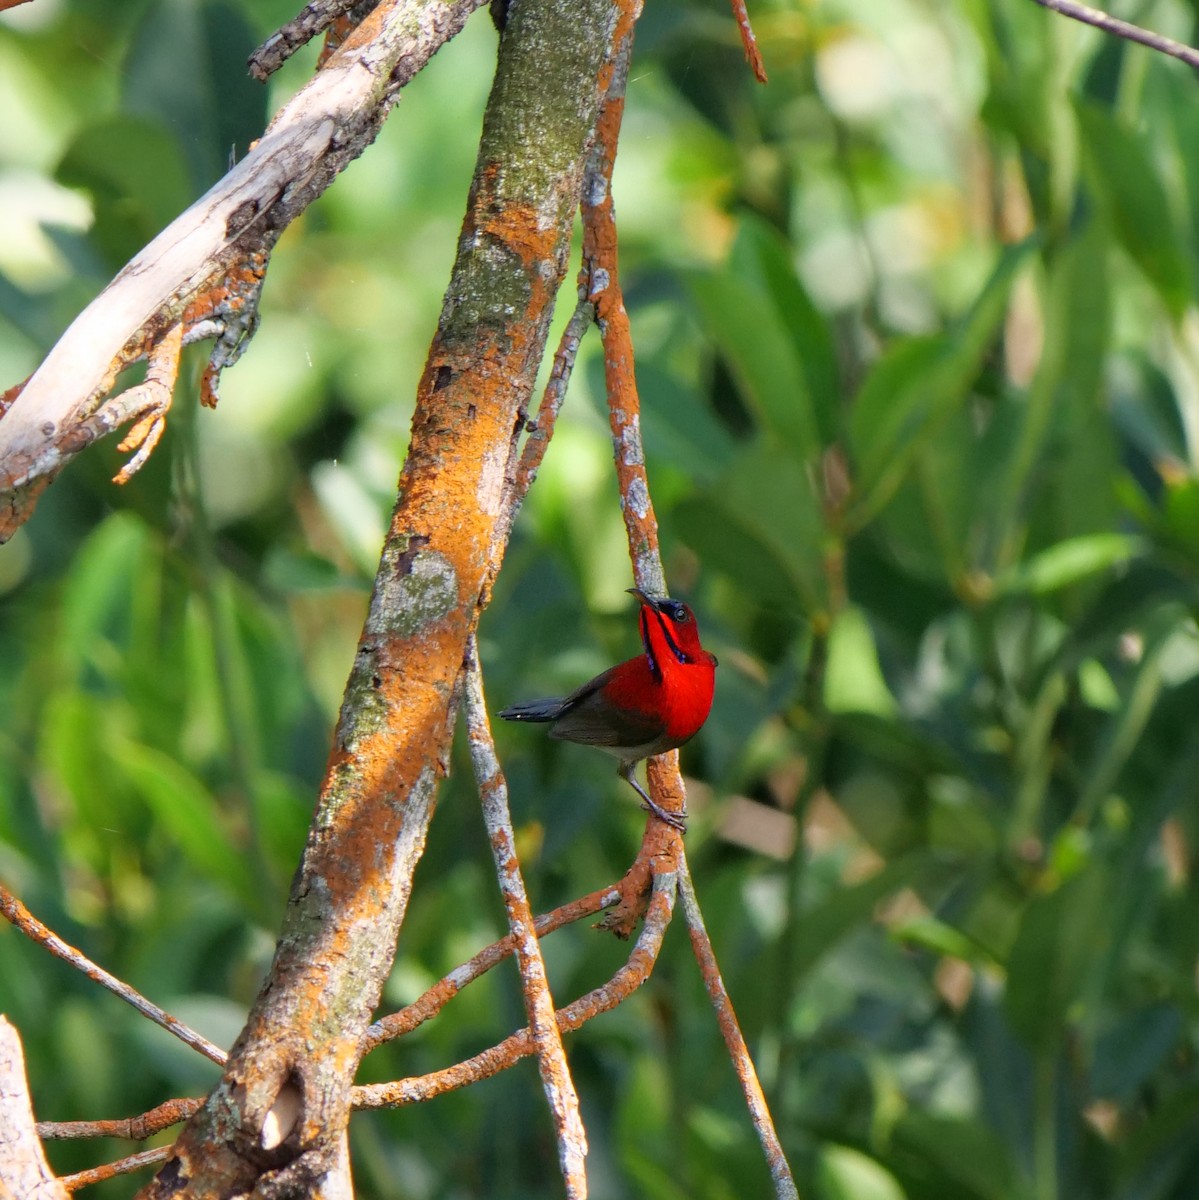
{"x": 669, "y": 633}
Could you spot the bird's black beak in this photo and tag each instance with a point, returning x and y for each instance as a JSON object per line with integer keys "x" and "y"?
{"x": 645, "y": 598}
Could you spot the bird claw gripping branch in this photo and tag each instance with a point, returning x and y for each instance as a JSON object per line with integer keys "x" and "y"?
{"x": 230, "y": 306}
{"x": 645, "y": 706}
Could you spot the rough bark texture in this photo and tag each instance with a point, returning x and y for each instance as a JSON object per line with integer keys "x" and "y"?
{"x": 274, "y": 1121}
{"x": 24, "y": 1172}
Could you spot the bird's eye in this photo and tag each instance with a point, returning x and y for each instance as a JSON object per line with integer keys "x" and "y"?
{"x": 681, "y": 614}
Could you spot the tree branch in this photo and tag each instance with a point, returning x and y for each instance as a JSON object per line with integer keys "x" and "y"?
{"x": 312, "y": 19}
{"x": 539, "y": 1004}
{"x": 743, "y": 1064}
{"x": 17, "y": 914}
{"x": 1123, "y": 29}
{"x": 407, "y": 1019}
{"x": 520, "y": 1044}
{"x": 122, "y": 1166}
{"x": 24, "y": 1172}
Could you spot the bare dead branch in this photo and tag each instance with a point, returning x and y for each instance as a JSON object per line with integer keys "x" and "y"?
{"x": 133, "y": 1129}
{"x": 299, "y": 31}
{"x": 398, "y": 1024}
{"x": 24, "y": 1172}
{"x": 539, "y": 1003}
{"x": 752, "y": 54}
{"x": 17, "y": 914}
{"x": 520, "y": 1044}
{"x": 541, "y": 428}
{"x": 123, "y": 1166}
{"x": 701, "y": 944}
{"x": 1123, "y": 29}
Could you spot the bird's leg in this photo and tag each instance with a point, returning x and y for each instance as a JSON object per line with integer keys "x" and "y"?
{"x": 676, "y": 820}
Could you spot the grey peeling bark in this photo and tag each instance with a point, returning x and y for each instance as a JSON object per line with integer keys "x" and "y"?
{"x": 274, "y": 1122}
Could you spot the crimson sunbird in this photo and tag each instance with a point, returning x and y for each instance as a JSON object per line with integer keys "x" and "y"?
{"x": 645, "y": 706}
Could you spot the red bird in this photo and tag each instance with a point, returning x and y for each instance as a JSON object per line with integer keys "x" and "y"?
{"x": 645, "y": 706}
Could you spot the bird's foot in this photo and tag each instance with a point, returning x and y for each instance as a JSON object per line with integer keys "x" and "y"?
{"x": 676, "y": 820}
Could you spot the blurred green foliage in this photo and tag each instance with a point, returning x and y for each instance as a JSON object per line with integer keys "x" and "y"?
{"x": 919, "y": 358}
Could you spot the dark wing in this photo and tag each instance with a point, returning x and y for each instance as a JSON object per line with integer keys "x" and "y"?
{"x": 588, "y": 717}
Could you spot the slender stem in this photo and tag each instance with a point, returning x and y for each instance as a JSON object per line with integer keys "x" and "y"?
{"x": 539, "y": 1003}
{"x": 1045, "y": 1129}
{"x": 520, "y": 1044}
{"x": 15, "y": 912}
{"x": 1123, "y": 29}
{"x": 134, "y": 1162}
{"x": 755, "y": 1099}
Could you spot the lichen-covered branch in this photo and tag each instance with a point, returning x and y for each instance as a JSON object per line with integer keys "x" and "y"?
{"x": 602, "y": 282}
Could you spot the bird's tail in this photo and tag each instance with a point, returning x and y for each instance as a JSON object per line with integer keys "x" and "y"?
{"x": 534, "y": 710}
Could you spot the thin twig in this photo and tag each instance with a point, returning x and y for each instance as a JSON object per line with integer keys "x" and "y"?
{"x": 600, "y": 263}
{"x": 539, "y": 1003}
{"x": 752, "y": 54}
{"x": 15, "y": 912}
{"x": 520, "y": 1044}
{"x": 288, "y": 38}
{"x": 403, "y": 1022}
{"x": 134, "y": 1162}
{"x": 701, "y": 944}
{"x": 132, "y": 1129}
{"x": 541, "y": 428}
{"x": 1123, "y": 29}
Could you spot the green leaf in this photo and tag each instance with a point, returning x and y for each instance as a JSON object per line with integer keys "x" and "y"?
{"x": 1063, "y": 422}
{"x": 301, "y": 571}
{"x": 1134, "y": 198}
{"x": 951, "y": 1157}
{"x": 136, "y": 177}
{"x": 751, "y": 332}
{"x": 185, "y": 810}
{"x": 1062, "y": 936}
{"x": 186, "y": 69}
{"x": 1070, "y": 562}
{"x": 760, "y": 253}
{"x": 95, "y": 604}
{"x": 1128, "y": 1054}
{"x": 762, "y": 524}
{"x": 846, "y": 1174}
{"x": 916, "y": 384}
{"x": 853, "y": 680}
{"x": 935, "y": 935}
{"x": 826, "y": 923}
